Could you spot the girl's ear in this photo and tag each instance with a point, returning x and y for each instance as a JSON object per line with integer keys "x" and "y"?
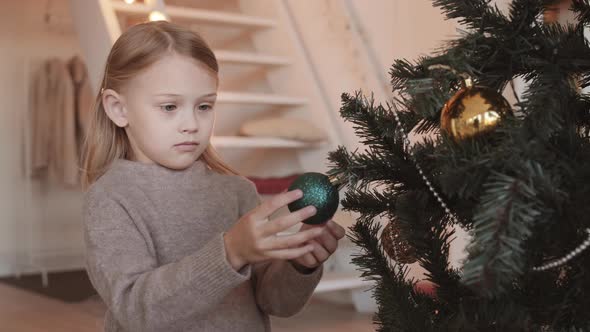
{"x": 114, "y": 107}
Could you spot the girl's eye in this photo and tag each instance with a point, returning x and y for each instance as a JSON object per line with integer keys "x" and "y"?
{"x": 168, "y": 108}
{"x": 205, "y": 107}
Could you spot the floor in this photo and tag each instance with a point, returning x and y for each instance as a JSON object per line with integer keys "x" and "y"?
{"x": 22, "y": 310}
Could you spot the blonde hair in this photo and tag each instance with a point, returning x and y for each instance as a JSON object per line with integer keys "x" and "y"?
{"x": 135, "y": 50}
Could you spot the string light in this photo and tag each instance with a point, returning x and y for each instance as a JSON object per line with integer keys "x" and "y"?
{"x": 558, "y": 262}
{"x": 129, "y": 2}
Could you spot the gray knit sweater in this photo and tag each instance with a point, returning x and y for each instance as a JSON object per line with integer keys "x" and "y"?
{"x": 156, "y": 256}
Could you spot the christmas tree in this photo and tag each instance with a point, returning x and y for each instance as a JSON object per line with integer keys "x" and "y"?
{"x": 515, "y": 177}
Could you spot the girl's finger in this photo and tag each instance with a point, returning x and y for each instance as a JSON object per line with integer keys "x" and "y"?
{"x": 328, "y": 241}
{"x": 319, "y": 252}
{"x": 291, "y": 240}
{"x": 269, "y": 206}
{"x": 287, "y": 221}
{"x": 309, "y": 259}
{"x": 290, "y": 253}
{"x": 337, "y": 230}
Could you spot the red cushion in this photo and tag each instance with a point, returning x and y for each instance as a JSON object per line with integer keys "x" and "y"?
{"x": 272, "y": 185}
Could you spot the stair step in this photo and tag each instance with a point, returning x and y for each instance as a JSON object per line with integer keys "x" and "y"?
{"x": 332, "y": 281}
{"x": 258, "y": 142}
{"x": 201, "y": 15}
{"x": 259, "y": 98}
{"x": 250, "y": 58}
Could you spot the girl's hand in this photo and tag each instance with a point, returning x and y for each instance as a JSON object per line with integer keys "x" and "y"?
{"x": 323, "y": 246}
{"x": 254, "y": 237}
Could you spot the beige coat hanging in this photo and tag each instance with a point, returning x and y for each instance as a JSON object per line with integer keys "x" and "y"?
{"x": 54, "y": 150}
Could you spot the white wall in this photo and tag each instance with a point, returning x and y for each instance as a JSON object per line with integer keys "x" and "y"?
{"x": 54, "y": 215}
{"x": 353, "y": 43}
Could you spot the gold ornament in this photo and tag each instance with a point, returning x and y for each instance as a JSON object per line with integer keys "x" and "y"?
{"x": 395, "y": 245}
{"x": 472, "y": 111}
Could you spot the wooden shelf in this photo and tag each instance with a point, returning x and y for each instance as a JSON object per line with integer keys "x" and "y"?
{"x": 250, "y": 58}
{"x": 200, "y": 15}
{"x": 258, "y": 142}
{"x": 259, "y": 99}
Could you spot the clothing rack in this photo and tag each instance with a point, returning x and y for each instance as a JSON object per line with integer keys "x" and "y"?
{"x": 57, "y": 21}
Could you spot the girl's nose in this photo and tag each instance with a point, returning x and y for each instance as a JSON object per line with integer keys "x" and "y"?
{"x": 190, "y": 124}
{"x": 189, "y": 130}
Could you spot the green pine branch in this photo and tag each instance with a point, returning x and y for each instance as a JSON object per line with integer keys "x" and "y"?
{"x": 401, "y": 308}
{"x": 428, "y": 233}
{"x": 508, "y": 211}
{"x": 523, "y": 14}
{"x": 582, "y": 10}
{"x": 374, "y": 167}
{"x": 374, "y": 124}
{"x": 544, "y": 105}
{"x": 370, "y": 203}
{"x": 475, "y": 14}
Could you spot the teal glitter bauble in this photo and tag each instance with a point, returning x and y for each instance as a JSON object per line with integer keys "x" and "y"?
{"x": 319, "y": 192}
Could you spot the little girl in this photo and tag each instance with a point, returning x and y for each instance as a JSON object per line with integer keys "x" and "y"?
{"x": 176, "y": 240}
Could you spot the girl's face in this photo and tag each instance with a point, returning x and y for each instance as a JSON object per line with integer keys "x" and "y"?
{"x": 167, "y": 111}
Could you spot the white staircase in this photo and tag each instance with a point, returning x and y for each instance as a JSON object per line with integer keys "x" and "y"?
{"x": 264, "y": 69}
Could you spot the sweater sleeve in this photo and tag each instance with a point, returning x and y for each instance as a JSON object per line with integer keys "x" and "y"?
{"x": 141, "y": 295}
{"x": 281, "y": 290}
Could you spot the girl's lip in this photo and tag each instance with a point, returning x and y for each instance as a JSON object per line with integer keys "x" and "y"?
{"x": 187, "y": 146}
{"x": 187, "y": 143}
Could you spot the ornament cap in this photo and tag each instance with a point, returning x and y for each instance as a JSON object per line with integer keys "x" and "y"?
{"x": 467, "y": 81}
{"x": 337, "y": 180}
